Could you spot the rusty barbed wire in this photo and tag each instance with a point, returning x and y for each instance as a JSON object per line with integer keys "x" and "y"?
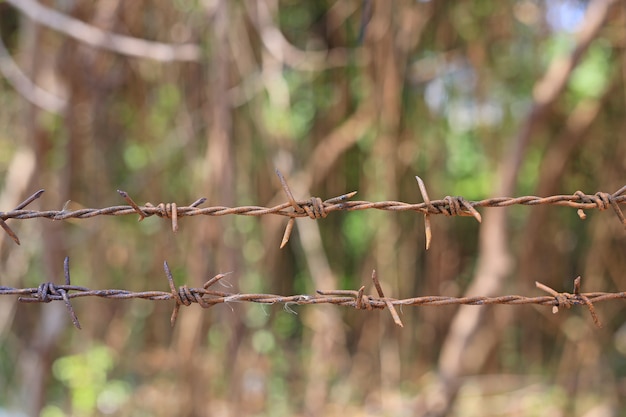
{"x": 207, "y": 297}
{"x": 316, "y": 208}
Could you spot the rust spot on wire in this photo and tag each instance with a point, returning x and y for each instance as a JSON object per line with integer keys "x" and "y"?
{"x": 587, "y": 302}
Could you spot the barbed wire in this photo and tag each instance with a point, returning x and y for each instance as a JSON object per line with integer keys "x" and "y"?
{"x": 315, "y": 208}
{"x": 207, "y": 297}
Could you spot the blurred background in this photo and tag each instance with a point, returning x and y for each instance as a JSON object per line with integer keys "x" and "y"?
{"x": 176, "y": 100}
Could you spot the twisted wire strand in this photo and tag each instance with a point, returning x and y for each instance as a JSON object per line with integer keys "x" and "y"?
{"x": 315, "y": 208}
{"x": 435, "y": 207}
{"x": 207, "y": 297}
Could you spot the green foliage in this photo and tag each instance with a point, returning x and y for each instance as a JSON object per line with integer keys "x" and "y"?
{"x": 85, "y": 376}
{"x": 527, "y": 180}
{"x": 136, "y": 156}
{"x": 263, "y": 341}
{"x": 358, "y": 232}
{"x": 592, "y": 75}
{"x": 470, "y": 174}
{"x": 293, "y": 123}
{"x": 164, "y": 107}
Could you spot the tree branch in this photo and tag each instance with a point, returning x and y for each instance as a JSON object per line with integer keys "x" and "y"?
{"x": 26, "y": 87}
{"x": 98, "y": 38}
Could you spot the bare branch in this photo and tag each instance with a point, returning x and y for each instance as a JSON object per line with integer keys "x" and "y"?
{"x": 98, "y": 38}
{"x": 26, "y": 87}
{"x": 283, "y": 51}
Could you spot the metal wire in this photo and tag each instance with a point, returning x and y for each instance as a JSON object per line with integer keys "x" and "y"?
{"x": 207, "y": 297}
{"x": 315, "y": 208}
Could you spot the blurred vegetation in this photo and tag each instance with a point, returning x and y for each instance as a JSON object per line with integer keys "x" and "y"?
{"x": 339, "y": 96}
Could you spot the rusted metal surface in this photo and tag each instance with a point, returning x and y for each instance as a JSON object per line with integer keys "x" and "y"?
{"x": 316, "y": 208}
{"x": 207, "y": 297}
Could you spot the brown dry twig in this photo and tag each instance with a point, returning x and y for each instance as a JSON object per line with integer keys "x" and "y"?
{"x": 316, "y": 208}
{"x": 207, "y": 297}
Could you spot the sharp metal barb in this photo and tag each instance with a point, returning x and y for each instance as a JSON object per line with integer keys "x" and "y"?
{"x": 359, "y": 297}
{"x": 287, "y": 190}
{"x": 392, "y": 309}
{"x": 618, "y": 212}
{"x": 427, "y": 227}
{"x": 198, "y": 202}
{"x": 174, "y": 218}
{"x": 20, "y": 206}
{"x": 472, "y": 210}
{"x": 9, "y": 232}
{"x": 174, "y": 293}
{"x": 379, "y": 289}
{"x": 577, "y": 285}
{"x": 288, "y": 230}
{"x": 215, "y": 279}
{"x": 132, "y": 203}
{"x": 30, "y": 199}
{"x": 70, "y": 309}
{"x": 587, "y": 302}
{"x": 341, "y": 198}
{"x": 619, "y": 192}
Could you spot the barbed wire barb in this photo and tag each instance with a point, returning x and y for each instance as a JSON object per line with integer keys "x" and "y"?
{"x": 427, "y": 228}
{"x": 315, "y": 208}
{"x": 381, "y": 294}
{"x": 47, "y": 292}
{"x": 453, "y": 207}
{"x": 134, "y": 205}
{"x": 20, "y": 206}
{"x": 567, "y": 300}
